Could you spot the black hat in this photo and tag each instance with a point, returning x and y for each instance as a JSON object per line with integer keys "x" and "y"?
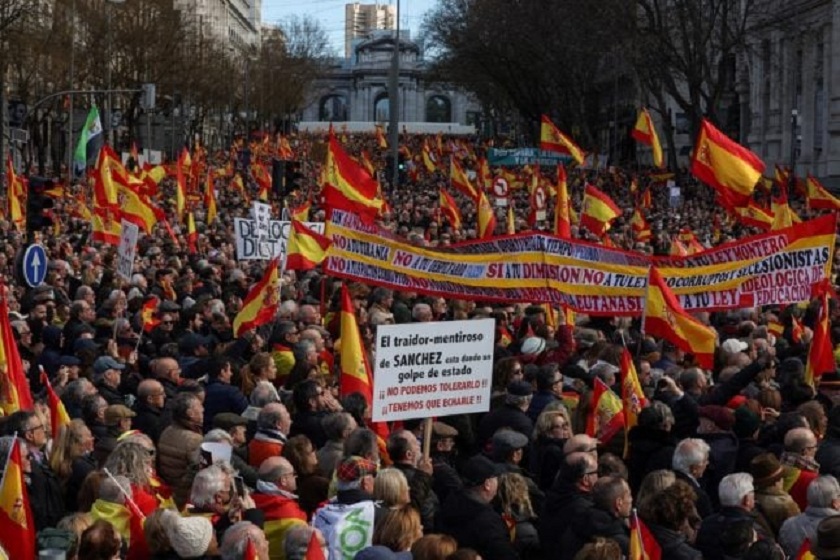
{"x": 190, "y": 342}
{"x": 520, "y": 389}
{"x": 228, "y": 420}
{"x": 478, "y": 469}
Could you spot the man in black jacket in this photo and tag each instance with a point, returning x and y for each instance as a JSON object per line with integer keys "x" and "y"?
{"x": 569, "y": 499}
{"x": 737, "y": 500}
{"x": 468, "y": 516}
{"x": 612, "y": 504}
{"x": 511, "y": 415}
{"x": 151, "y": 398}
{"x": 404, "y": 450}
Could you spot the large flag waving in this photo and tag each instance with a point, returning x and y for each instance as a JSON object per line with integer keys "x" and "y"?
{"x": 14, "y": 388}
{"x": 355, "y": 370}
{"x": 486, "y": 217}
{"x": 18, "y": 534}
{"x": 598, "y": 211}
{"x": 821, "y": 351}
{"x": 726, "y": 166}
{"x": 449, "y": 208}
{"x": 348, "y": 186}
{"x": 553, "y": 140}
{"x": 631, "y": 390}
{"x": 460, "y": 182}
{"x": 818, "y": 196}
{"x": 664, "y": 317}
{"x": 606, "y": 417}
{"x": 260, "y": 305}
{"x": 305, "y": 248}
{"x": 562, "y": 219}
{"x": 89, "y": 134}
{"x": 58, "y": 413}
{"x": 645, "y": 133}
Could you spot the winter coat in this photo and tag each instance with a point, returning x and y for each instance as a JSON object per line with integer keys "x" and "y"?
{"x": 505, "y": 417}
{"x": 650, "y": 449}
{"x": 176, "y": 447}
{"x": 423, "y": 498}
{"x": 595, "y": 522}
{"x": 148, "y": 420}
{"x": 775, "y": 506}
{"x": 828, "y": 454}
{"x": 546, "y": 458}
{"x": 564, "y": 503}
{"x": 795, "y": 530}
{"x": 476, "y": 525}
{"x": 222, "y": 397}
{"x": 708, "y": 537}
{"x": 673, "y": 544}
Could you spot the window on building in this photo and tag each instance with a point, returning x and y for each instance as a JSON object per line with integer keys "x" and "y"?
{"x": 333, "y": 108}
{"x": 382, "y": 108}
{"x": 438, "y": 109}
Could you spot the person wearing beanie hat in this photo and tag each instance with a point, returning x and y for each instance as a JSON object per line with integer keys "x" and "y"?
{"x": 774, "y": 505}
{"x": 190, "y": 537}
{"x": 747, "y": 424}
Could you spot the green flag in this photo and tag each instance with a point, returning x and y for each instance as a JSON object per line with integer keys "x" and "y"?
{"x": 92, "y": 129}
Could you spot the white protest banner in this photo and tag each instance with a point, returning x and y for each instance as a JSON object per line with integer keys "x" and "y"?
{"x": 250, "y": 247}
{"x": 261, "y": 212}
{"x": 127, "y": 249}
{"x": 432, "y": 369}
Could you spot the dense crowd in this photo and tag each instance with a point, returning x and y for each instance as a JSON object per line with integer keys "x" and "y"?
{"x": 188, "y": 442}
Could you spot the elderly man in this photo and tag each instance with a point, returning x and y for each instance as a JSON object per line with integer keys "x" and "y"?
{"x": 691, "y": 457}
{"x": 213, "y": 493}
{"x": 168, "y": 373}
{"x": 151, "y": 398}
{"x": 823, "y": 501}
{"x": 511, "y": 415}
{"x": 570, "y": 498}
{"x": 275, "y": 496}
{"x": 337, "y": 426}
{"x": 107, "y": 376}
{"x": 273, "y": 425}
{"x": 404, "y": 450}
{"x": 179, "y": 441}
{"x": 237, "y": 538}
{"x": 800, "y": 466}
{"x": 737, "y": 501}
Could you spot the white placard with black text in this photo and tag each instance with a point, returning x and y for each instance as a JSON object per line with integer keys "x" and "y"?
{"x": 127, "y": 249}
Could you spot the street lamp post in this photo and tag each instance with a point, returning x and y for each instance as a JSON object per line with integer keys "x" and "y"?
{"x": 108, "y": 98}
{"x": 794, "y": 121}
{"x": 394, "y": 106}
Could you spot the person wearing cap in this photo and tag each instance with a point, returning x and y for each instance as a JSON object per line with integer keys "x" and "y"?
{"x": 193, "y": 350}
{"x": 512, "y": 415}
{"x": 405, "y": 452}
{"x": 235, "y": 425}
{"x": 823, "y": 502}
{"x": 107, "y": 376}
{"x": 354, "y": 497}
{"x": 117, "y": 421}
{"x": 826, "y": 544}
{"x": 507, "y": 448}
{"x": 445, "y": 479}
{"x": 151, "y": 399}
{"x": 737, "y": 500}
{"x": 468, "y": 516}
{"x": 773, "y": 504}
{"x": 220, "y": 395}
{"x": 275, "y": 496}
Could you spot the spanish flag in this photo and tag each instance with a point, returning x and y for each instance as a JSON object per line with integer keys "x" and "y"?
{"x": 753, "y": 215}
{"x": 553, "y": 140}
{"x": 818, "y": 196}
{"x": 305, "y": 248}
{"x": 138, "y": 209}
{"x": 181, "y": 184}
{"x": 449, "y": 208}
{"x": 58, "y": 413}
{"x": 301, "y": 213}
{"x": 631, "y": 390}
{"x": 805, "y": 551}
{"x": 485, "y": 179}
{"x": 428, "y": 158}
{"x": 729, "y": 168}
{"x": 16, "y": 196}
{"x": 486, "y": 217}
{"x": 260, "y": 305}
{"x": 364, "y": 159}
{"x": 263, "y": 179}
{"x": 606, "y": 417}
{"x": 821, "y": 352}
{"x": 643, "y": 545}
{"x": 192, "y": 234}
{"x": 562, "y": 220}
{"x": 210, "y": 199}
{"x": 647, "y": 201}
{"x": 664, "y": 317}
{"x": 314, "y": 550}
{"x": 381, "y": 143}
{"x": 147, "y": 313}
{"x": 104, "y": 189}
{"x": 106, "y": 226}
{"x": 459, "y": 181}
{"x": 348, "y": 186}
{"x": 285, "y": 149}
{"x": 18, "y": 534}
{"x": 598, "y": 211}
{"x": 640, "y": 226}
{"x": 783, "y": 215}
{"x": 14, "y": 387}
{"x": 645, "y": 133}
{"x": 678, "y": 249}
{"x": 511, "y": 221}
{"x": 355, "y": 370}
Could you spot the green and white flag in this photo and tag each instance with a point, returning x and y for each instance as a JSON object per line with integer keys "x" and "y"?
{"x": 92, "y": 129}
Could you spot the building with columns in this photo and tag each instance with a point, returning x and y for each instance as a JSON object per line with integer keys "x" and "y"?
{"x": 355, "y": 89}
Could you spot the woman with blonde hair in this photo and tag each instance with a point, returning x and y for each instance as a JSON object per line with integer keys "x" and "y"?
{"x": 260, "y": 369}
{"x": 399, "y": 530}
{"x": 433, "y": 547}
{"x": 72, "y": 461}
{"x": 518, "y": 513}
{"x": 391, "y": 488}
{"x": 653, "y": 483}
{"x": 551, "y": 431}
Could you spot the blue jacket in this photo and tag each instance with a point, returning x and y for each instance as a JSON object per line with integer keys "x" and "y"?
{"x": 222, "y": 397}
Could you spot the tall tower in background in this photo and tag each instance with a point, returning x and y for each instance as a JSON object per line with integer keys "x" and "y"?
{"x": 361, "y": 19}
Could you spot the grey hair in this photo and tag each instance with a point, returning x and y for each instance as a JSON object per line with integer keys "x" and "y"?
{"x": 797, "y": 439}
{"x": 689, "y": 452}
{"x": 218, "y": 435}
{"x": 734, "y": 487}
{"x": 235, "y": 540}
{"x": 264, "y": 393}
{"x": 207, "y": 483}
{"x": 114, "y": 489}
{"x": 420, "y": 308}
{"x": 665, "y": 411}
{"x": 297, "y": 541}
{"x": 822, "y": 491}
{"x": 517, "y": 400}
{"x": 288, "y": 308}
{"x": 268, "y": 418}
{"x": 130, "y": 459}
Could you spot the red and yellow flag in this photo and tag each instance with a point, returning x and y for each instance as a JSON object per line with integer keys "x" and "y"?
{"x": 381, "y": 143}
{"x": 58, "y": 413}
{"x": 104, "y": 189}
{"x": 210, "y": 200}
{"x": 804, "y": 552}
{"x": 449, "y": 208}
{"x": 783, "y": 215}
{"x": 14, "y": 387}
{"x": 459, "y": 181}
{"x": 598, "y": 211}
{"x": 664, "y": 317}
{"x": 314, "y": 550}
{"x": 647, "y": 201}
{"x": 301, "y": 213}
{"x": 645, "y": 133}
{"x": 553, "y": 140}
{"x": 428, "y": 158}
{"x": 348, "y": 186}
{"x": 818, "y": 196}
{"x": 631, "y": 390}
{"x": 562, "y": 219}
{"x": 511, "y": 221}
{"x": 147, "y": 314}
{"x": 643, "y": 545}
{"x": 18, "y": 534}
{"x": 678, "y": 248}
{"x": 192, "y": 234}
{"x": 753, "y": 215}
{"x": 138, "y": 209}
{"x": 485, "y": 178}
{"x": 106, "y": 226}
{"x": 606, "y": 417}
{"x": 726, "y": 166}
{"x": 640, "y": 226}
{"x": 356, "y": 374}
{"x": 181, "y": 184}
{"x": 16, "y": 196}
{"x": 486, "y": 217}
{"x": 821, "y": 352}
{"x": 305, "y": 248}
{"x": 260, "y": 305}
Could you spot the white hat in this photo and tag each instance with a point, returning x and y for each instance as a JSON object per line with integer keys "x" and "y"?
{"x": 189, "y": 536}
{"x": 733, "y": 345}
{"x": 532, "y": 345}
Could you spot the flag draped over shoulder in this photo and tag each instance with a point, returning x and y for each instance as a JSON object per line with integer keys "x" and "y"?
{"x": 18, "y": 526}
{"x": 562, "y": 219}
{"x": 553, "y": 140}
{"x": 305, "y": 248}
{"x": 348, "y": 186}
{"x": 645, "y": 133}
{"x": 449, "y": 208}
{"x": 14, "y": 387}
{"x": 89, "y": 134}
{"x": 598, "y": 211}
{"x": 729, "y": 168}
{"x": 664, "y": 317}
{"x": 260, "y": 305}
{"x": 818, "y": 196}
{"x": 606, "y": 417}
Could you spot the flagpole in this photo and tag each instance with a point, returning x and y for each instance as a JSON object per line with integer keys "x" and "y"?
{"x": 644, "y": 307}
{"x": 125, "y": 494}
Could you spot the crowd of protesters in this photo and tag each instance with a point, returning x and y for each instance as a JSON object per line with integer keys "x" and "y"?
{"x": 188, "y": 442}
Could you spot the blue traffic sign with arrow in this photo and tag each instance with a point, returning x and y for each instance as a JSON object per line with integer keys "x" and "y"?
{"x": 34, "y": 265}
